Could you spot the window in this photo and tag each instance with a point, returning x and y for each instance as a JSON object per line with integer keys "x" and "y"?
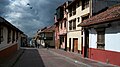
{"x": 65, "y": 23}
{"x": 85, "y": 4}
{"x": 70, "y": 12}
{"x": 78, "y": 19}
{"x": 61, "y": 39}
{"x": 1, "y": 34}
{"x": 58, "y": 28}
{"x": 74, "y": 24}
{"x": 100, "y": 38}
{"x": 78, "y": 3}
{"x": 16, "y": 36}
{"x": 13, "y": 36}
{"x": 85, "y": 17}
{"x": 61, "y": 25}
{"x": 74, "y": 10}
{"x": 70, "y": 25}
{"x": 9, "y": 35}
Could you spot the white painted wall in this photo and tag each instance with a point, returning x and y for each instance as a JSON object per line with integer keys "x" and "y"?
{"x": 112, "y": 38}
{"x": 4, "y": 44}
{"x": 72, "y": 35}
{"x": 76, "y": 33}
{"x": 92, "y": 38}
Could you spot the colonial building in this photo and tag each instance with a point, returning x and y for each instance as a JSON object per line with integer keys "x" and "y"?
{"x": 10, "y": 38}
{"x": 102, "y": 34}
{"x": 46, "y": 36}
{"x": 78, "y": 11}
{"x": 61, "y": 26}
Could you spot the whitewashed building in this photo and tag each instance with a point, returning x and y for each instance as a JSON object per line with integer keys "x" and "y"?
{"x": 78, "y": 11}
{"x": 10, "y": 38}
{"x": 102, "y": 34}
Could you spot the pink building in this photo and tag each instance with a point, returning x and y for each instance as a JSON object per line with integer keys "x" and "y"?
{"x": 61, "y": 26}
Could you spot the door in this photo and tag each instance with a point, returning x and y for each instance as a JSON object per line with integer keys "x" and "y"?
{"x": 86, "y": 47}
{"x": 75, "y": 44}
{"x": 69, "y": 44}
{"x": 65, "y": 42}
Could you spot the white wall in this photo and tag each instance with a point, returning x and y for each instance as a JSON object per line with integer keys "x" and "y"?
{"x": 4, "y": 44}
{"x": 112, "y": 38}
{"x": 72, "y": 35}
{"x": 92, "y": 38}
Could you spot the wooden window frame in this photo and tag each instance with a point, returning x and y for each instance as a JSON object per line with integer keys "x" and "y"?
{"x": 65, "y": 23}
{"x": 9, "y": 36}
{"x": 16, "y": 36}
{"x": 70, "y": 12}
{"x": 70, "y": 25}
{"x": 101, "y": 38}
{"x": 61, "y": 25}
{"x": 85, "y": 17}
{"x": 74, "y": 10}
{"x": 13, "y": 36}
{"x": 78, "y": 19}
{"x": 1, "y": 34}
{"x": 85, "y": 4}
{"x": 74, "y": 24}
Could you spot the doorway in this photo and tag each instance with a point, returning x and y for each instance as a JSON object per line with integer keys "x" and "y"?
{"x": 86, "y": 47}
{"x": 75, "y": 44}
{"x": 69, "y": 44}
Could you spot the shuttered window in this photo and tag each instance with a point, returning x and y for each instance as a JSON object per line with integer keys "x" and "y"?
{"x": 1, "y": 34}
{"x": 9, "y": 35}
{"x": 101, "y": 38}
{"x": 74, "y": 24}
{"x": 13, "y": 36}
{"x": 70, "y": 25}
{"x": 85, "y": 4}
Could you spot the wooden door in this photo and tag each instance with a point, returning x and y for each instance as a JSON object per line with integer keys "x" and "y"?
{"x": 75, "y": 44}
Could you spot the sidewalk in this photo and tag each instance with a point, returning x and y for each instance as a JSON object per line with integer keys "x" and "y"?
{"x": 9, "y": 62}
{"x": 79, "y": 59}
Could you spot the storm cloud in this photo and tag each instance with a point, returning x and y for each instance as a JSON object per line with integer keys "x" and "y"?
{"x": 29, "y": 15}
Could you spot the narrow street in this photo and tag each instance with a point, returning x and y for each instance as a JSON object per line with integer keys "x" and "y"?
{"x": 33, "y": 57}
{"x": 42, "y": 57}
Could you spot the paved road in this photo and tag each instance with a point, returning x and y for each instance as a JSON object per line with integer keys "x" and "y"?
{"x": 44, "y": 58}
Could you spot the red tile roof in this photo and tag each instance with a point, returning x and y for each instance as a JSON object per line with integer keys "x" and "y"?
{"x": 111, "y": 14}
{"x": 49, "y": 29}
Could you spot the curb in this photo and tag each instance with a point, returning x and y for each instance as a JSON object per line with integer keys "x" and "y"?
{"x": 13, "y": 59}
{"x": 73, "y": 60}
{"x": 76, "y": 61}
{"x": 12, "y": 65}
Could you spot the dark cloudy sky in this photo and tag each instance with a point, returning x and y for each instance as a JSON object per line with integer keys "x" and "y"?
{"x": 26, "y": 19}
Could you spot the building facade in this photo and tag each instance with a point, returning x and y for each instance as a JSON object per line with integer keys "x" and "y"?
{"x": 61, "y": 26}
{"x": 46, "y": 37}
{"x": 76, "y": 13}
{"x": 102, "y": 32}
{"x": 10, "y": 38}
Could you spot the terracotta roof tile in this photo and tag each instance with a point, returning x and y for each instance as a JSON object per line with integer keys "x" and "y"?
{"x": 49, "y": 29}
{"x": 110, "y": 14}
